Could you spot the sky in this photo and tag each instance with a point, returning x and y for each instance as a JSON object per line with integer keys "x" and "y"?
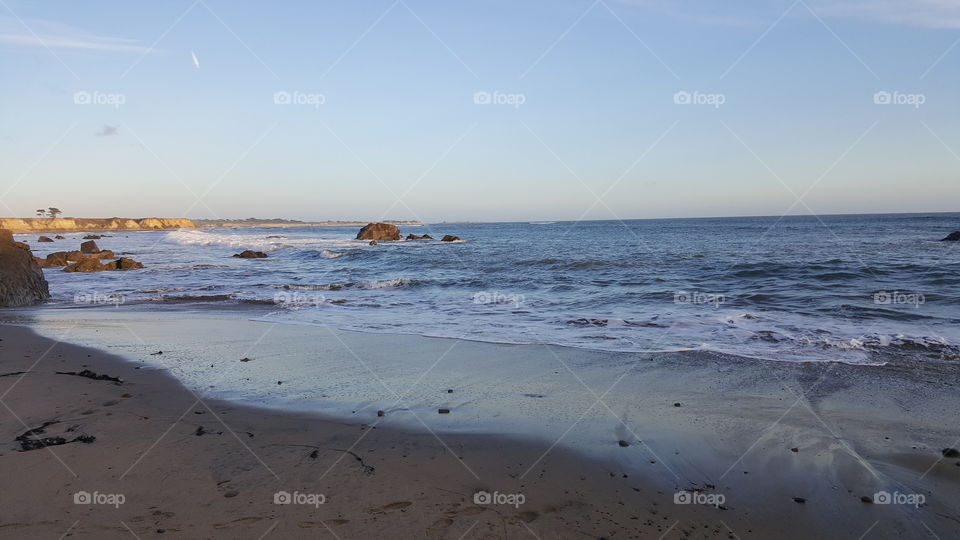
{"x": 483, "y": 110}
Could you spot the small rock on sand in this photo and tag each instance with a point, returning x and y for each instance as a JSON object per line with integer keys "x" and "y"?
{"x": 623, "y": 443}
{"x": 443, "y": 411}
{"x": 950, "y": 452}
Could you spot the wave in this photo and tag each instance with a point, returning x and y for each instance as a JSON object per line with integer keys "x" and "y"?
{"x": 190, "y": 237}
{"x": 373, "y": 284}
{"x": 386, "y": 284}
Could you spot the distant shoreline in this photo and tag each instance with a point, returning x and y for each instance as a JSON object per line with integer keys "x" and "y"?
{"x": 211, "y": 223}
{"x": 42, "y": 225}
{"x": 52, "y": 225}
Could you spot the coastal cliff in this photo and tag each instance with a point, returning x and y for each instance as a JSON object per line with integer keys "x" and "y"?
{"x": 30, "y": 225}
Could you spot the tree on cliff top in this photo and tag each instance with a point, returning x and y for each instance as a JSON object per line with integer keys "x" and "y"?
{"x": 54, "y": 212}
{"x": 41, "y": 212}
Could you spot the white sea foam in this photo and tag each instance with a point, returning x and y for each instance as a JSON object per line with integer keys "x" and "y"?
{"x": 188, "y": 237}
{"x": 385, "y": 284}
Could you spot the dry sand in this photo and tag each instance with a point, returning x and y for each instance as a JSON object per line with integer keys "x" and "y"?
{"x": 190, "y": 468}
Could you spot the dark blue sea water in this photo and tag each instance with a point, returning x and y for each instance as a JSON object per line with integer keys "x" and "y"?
{"x": 858, "y": 289}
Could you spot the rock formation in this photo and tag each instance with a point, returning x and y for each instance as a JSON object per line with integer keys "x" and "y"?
{"x": 21, "y": 279}
{"x": 381, "y": 232}
{"x": 44, "y": 239}
{"x": 124, "y": 263}
{"x": 89, "y": 247}
{"x": 449, "y": 238}
{"x": 952, "y": 237}
{"x": 249, "y": 254}
{"x": 93, "y": 264}
{"x": 86, "y": 264}
{"x": 415, "y": 237}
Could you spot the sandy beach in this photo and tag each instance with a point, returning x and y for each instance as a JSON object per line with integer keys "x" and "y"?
{"x": 721, "y": 449}
{"x": 409, "y": 269}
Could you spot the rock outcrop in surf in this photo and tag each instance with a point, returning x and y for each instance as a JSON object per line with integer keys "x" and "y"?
{"x": 21, "y": 279}
{"x": 381, "y": 232}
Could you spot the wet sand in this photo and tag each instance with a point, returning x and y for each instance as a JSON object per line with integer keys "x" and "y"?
{"x": 764, "y": 450}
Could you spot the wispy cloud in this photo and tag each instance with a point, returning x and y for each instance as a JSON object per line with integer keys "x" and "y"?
{"x": 107, "y": 131}
{"x": 59, "y": 36}
{"x": 921, "y": 13}
{"x": 917, "y": 13}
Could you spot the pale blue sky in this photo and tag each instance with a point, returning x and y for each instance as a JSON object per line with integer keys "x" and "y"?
{"x": 589, "y": 108}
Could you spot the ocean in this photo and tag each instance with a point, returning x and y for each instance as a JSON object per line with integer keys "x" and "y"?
{"x": 859, "y": 289}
